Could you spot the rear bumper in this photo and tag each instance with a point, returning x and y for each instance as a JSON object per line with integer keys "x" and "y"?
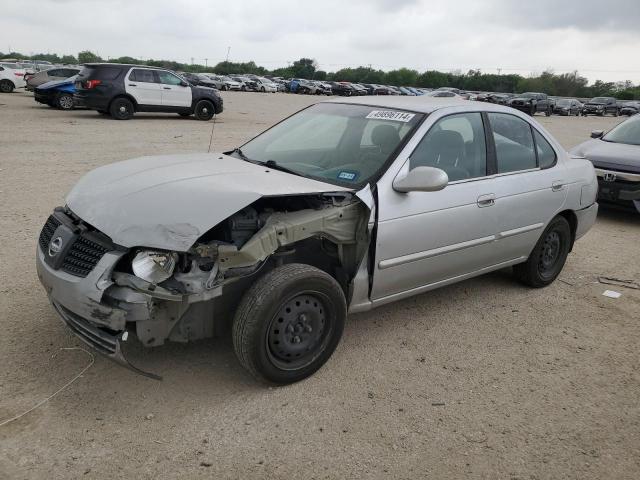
{"x": 586, "y": 219}
{"x": 93, "y": 101}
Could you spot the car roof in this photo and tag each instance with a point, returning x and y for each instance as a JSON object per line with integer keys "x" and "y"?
{"x": 421, "y": 104}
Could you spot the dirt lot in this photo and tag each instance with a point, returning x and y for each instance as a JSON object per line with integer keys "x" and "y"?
{"x": 484, "y": 379}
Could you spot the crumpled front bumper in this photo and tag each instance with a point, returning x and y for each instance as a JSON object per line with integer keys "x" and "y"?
{"x": 97, "y": 319}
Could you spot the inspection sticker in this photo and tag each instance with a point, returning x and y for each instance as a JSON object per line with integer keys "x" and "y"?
{"x": 347, "y": 175}
{"x": 391, "y": 115}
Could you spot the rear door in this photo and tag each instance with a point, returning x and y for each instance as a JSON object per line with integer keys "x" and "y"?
{"x": 174, "y": 92}
{"x": 142, "y": 84}
{"x": 530, "y": 185}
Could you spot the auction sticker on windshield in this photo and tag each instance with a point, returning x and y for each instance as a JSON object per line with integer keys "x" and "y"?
{"x": 391, "y": 115}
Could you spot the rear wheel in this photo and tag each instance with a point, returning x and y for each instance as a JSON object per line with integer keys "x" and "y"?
{"x": 64, "y": 101}
{"x": 6, "y": 86}
{"x": 548, "y": 256}
{"x": 289, "y": 323}
{"x": 121, "y": 109}
{"x": 204, "y": 110}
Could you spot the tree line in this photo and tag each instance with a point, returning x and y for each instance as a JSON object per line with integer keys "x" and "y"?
{"x": 565, "y": 84}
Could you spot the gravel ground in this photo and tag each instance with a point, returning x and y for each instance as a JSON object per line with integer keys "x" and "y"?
{"x": 484, "y": 379}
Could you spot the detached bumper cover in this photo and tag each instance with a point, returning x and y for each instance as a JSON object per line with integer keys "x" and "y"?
{"x": 586, "y": 219}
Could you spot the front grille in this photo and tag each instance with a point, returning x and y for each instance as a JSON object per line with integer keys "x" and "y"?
{"x": 48, "y": 231}
{"x": 83, "y": 256}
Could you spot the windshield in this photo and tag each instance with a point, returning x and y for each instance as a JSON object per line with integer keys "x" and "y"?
{"x": 627, "y": 132}
{"x": 599, "y": 100}
{"x": 335, "y": 143}
{"x": 564, "y": 103}
{"x": 528, "y": 95}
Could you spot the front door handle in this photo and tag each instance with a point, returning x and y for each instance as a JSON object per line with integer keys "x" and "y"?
{"x": 486, "y": 200}
{"x": 557, "y": 185}
{"x": 133, "y": 85}
{"x": 167, "y": 88}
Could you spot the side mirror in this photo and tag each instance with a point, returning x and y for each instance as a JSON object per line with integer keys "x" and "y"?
{"x": 184, "y": 84}
{"x": 422, "y": 179}
{"x": 597, "y": 134}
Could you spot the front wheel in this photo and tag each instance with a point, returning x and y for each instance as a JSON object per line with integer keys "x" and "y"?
{"x": 289, "y": 323}
{"x": 64, "y": 101}
{"x": 548, "y": 112}
{"x": 262, "y": 89}
{"x": 121, "y": 109}
{"x": 204, "y": 110}
{"x": 548, "y": 256}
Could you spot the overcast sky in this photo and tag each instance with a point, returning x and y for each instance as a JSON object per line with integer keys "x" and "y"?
{"x": 599, "y": 38}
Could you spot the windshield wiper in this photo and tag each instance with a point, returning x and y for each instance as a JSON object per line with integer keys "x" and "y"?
{"x": 242, "y": 155}
{"x": 276, "y": 166}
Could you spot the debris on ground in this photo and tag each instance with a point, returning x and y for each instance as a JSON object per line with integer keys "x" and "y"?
{"x": 612, "y": 294}
{"x": 619, "y": 282}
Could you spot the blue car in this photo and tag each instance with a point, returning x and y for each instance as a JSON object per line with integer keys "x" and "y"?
{"x": 57, "y": 93}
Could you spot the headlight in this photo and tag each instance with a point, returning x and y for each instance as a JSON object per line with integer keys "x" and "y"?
{"x": 154, "y": 267}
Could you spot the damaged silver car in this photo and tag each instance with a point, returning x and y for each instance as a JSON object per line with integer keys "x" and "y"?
{"x": 342, "y": 207}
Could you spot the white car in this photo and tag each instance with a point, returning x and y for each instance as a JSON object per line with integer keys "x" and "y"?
{"x": 11, "y": 78}
{"x": 266, "y": 85}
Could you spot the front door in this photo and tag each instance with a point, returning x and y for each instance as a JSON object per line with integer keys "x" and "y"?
{"x": 174, "y": 91}
{"x": 426, "y": 239}
{"x": 142, "y": 84}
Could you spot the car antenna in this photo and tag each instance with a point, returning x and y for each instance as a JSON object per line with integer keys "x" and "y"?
{"x": 213, "y": 126}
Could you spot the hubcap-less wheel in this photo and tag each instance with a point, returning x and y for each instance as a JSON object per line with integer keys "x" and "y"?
{"x": 6, "y": 86}
{"x": 298, "y": 332}
{"x": 121, "y": 109}
{"x": 549, "y": 254}
{"x": 204, "y": 110}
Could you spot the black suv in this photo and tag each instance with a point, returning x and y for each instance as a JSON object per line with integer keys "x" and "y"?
{"x": 121, "y": 90}
{"x": 601, "y": 106}
{"x": 532, "y": 102}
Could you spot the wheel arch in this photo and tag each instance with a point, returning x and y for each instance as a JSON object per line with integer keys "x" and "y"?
{"x": 128, "y": 97}
{"x": 571, "y": 217}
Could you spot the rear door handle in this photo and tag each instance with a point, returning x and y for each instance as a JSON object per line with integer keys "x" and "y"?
{"x": 557, "y": 185}
{"x": 486, "y": 200}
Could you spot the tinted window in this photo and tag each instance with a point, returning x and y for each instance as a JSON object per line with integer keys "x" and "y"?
{"x": 455, "y": 144}
{"x": 56, "y": 72}
{"x": 144, "y": 76}
{"x": 514, "y": 143}
{"x": 168, "y": 78}
{"x": 100, "y": 73}
{"x": 546, "y": 154}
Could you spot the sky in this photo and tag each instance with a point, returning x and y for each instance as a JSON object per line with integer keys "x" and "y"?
{"x": 600, "y": 39}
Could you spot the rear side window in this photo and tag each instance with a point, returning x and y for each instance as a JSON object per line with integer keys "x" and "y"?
{"x": 514, "y": 143}
{"x": 546, "y": 153}
{"x": 144, "y": 76}
{"x": 99, "y": 73}
{"x": 54, "y": 73}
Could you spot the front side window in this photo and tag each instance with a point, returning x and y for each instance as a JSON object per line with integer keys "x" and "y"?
{"x": 514, "y": 143}
{"x": 336, "y": 143}
{"x": 455, "y": 144}
{"x": 168, "y": 78}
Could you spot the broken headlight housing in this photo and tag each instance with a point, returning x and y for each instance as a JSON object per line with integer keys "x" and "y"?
{"x": 154, "y": 266}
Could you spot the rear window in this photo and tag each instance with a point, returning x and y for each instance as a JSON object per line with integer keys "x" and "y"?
{"x": 100, "y": 73}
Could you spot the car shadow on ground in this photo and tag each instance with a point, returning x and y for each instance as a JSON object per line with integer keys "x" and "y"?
{"x": 619, "y": 215}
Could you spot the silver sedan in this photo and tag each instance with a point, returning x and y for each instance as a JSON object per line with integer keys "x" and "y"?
{"x": 342, "y": 207}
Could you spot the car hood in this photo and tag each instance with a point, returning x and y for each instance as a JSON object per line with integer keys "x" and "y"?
{"x": 168, "y": 202}
{"x": 526, "y": 99}
{"x": 603, "y": 154}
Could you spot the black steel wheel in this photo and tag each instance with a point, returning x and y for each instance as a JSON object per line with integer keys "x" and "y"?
{"x": 204, "y": 110}
{"x": 6, "y": 86}
{"x": 289, "y": 323}
{"x": 548, "y": 256}
{"x": 121, "y": 109}
{"x": 64, "y": 101}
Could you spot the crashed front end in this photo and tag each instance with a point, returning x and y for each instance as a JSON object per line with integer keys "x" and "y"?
{"x": 102, "y": 293}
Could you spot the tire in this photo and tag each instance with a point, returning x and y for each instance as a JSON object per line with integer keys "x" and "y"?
{"x": 532, "y": 110}
{"x": 548, "y": 112}
{"x": 204, "y": 110}
{"x": 616, "y": 113}
{"x": 262, "y": 89}
{"x": 225, "y": 88}
{"x": 289, "y": 323}
{"x": 243, "y": 88}
{"x": 121, "y": 109}
{"x": 548, "y": 256}
{"x": 64, "y": 101}
{"x": 6, "y": 86}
